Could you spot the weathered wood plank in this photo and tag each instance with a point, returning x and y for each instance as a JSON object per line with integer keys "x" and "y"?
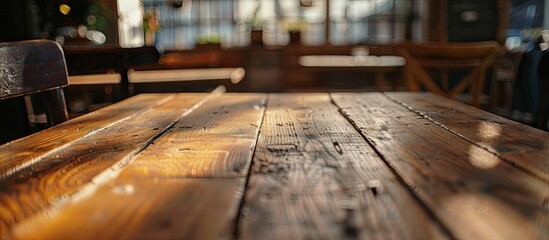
{"x": 187, "y": 185}
{"x": 176, "y": 208}
{"x": 23, "y": 152}
{"x": 314, "y": 177}
{"x": 216, "y": 141}
{"x": 519, "y": 144}
{"x": 83, "y": 163}
{"x": 473, "y": 192}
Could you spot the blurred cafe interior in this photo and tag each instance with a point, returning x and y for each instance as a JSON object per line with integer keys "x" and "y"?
{"x": 115, "y": 49}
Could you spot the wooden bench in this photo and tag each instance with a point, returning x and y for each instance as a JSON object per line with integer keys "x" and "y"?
{"x": 278, "y": 166}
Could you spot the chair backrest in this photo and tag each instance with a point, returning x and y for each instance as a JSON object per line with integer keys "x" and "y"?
{"x": 35, "y": 66}
{"x": 508, "y": 64}
{"x": 425, "y": 56}
{"x": 503, "y": 78}
{"x": 31, "y": 66}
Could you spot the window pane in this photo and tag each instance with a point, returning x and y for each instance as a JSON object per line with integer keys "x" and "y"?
{"x": 230, "y": 22}
{"x": 130, "y": 23}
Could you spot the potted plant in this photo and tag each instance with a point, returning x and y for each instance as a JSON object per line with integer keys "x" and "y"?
{"x": 294, "y": 30}
{"x": 255, "y": 23}
{"x": 151, "y": 25}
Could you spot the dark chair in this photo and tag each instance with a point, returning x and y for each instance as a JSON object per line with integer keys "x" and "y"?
{"x": 32, "y": 68}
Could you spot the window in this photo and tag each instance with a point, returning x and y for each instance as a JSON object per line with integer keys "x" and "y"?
{"x": 356, "y": 21}
{"x": 525, "y": 14}
{"x": 130, "y": 23}
{"x": 183, "y": 25}
{"x": 524, "y": 17}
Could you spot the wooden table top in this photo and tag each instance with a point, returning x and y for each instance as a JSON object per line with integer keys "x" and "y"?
{"x": 235, "y": 75}
{"x": 278, "y": 166}
{"x": 349, "y": 61}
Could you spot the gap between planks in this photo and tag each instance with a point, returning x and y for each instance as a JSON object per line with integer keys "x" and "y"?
{"x": 13, "y": 168}
{"x": 397, "y": 175}
{"x": 115, "y": 168}
{"x": 542, "y": 176}
{"x": 124, "y": 162}
{"x": 202, "y": 114}
{"x": 248, "y": 174}
{"x": 320, "y": 154}
{"x": 529, "y": 207}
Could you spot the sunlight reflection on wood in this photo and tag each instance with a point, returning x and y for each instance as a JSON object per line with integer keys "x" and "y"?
{"x": 325, "y": 166}
{"x": 489, "y": 131}
{"x": 493, "y": 218}
{"x": 480, "y": 158}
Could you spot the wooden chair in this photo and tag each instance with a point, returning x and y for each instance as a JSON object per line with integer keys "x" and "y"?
{"x": 503, "y": 80}
{"x": 423, "y": 58}
{"x": 34, "y": 67}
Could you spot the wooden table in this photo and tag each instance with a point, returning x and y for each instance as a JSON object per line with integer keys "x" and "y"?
{"x": 378, "y": 65}
{"x": 83, "y": 59}
{"x": 234, "y": 75}
{"x": 278, "y": 166}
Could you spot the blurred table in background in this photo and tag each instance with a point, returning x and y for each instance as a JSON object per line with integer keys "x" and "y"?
{"x": 99, "y": 59}
{"x": 378, "y": 65}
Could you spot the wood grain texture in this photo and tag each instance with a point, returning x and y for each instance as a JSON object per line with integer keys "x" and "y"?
{"x": 177, "y": 208}
{"x": 517, "y": 143}
{"x": 188, "y": 184}
{"x": 314, "y": 177}
{"x": 84, "y": 163}
{"x": 215, "y": 141}
{"x": 474, "y": 193}
{"x": 23, "y": 152}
